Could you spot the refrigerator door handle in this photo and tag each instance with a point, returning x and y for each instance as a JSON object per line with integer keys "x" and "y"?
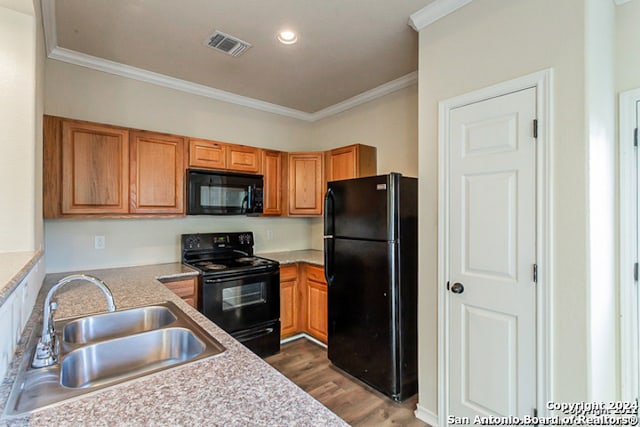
{"x": 329, "y": 214}
{"x": 328, "y": 259}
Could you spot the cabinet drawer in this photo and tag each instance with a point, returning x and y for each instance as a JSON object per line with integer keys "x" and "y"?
{"x": 288, "y": 271}
{"x": 315, "y": 273}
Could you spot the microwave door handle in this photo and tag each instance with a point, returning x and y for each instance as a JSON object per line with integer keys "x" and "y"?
{"x": 248, "y": 199}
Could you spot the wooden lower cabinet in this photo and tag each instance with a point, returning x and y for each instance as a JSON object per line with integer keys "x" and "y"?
{"x": 289, "y": 300}
{"x": 187, "y": 289}
{"x": 317, "y": 314}
{"x": 303, "y": 301}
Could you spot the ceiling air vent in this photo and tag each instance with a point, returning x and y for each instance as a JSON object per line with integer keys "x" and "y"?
{"x": 225, "y": 43}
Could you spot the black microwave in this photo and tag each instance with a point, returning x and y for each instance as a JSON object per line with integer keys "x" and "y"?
{"x": 223, "y": 193}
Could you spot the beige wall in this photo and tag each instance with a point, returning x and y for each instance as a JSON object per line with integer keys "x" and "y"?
{"x": 21, "y": 78}
{"x": 627, "y": 38}
{"x": 17, "y": 138}
{"x": 389, "y": 123}
{"x": 484, "y": 43}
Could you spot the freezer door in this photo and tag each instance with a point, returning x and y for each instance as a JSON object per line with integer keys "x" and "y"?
{"x": 361, "y": 337}
{"x": 361, "y": 208}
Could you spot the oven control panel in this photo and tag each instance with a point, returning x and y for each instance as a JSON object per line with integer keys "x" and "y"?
{"x": 242, "y": 241}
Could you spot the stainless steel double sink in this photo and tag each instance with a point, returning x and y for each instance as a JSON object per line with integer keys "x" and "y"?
{"x": 102, "y": 350}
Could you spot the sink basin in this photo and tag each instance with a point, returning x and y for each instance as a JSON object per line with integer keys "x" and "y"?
{"x": 111, "y": 325}
{"x": 112, "y": 360}
{"x": 103, "y": 350}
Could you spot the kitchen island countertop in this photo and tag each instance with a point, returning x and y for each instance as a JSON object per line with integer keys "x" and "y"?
{"x": 311, "y": 256}
{"x": 235, "y": 388}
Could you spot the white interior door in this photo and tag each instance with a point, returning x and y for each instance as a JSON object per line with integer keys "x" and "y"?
{"x": 492, "y": 251}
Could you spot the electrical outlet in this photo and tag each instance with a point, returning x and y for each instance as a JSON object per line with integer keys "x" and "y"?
{"x": 269, "y": 234}
{"x": 99, "y": 242}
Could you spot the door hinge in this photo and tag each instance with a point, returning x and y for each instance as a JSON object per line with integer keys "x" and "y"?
{"x": 635, "y": 137}
{"x": 535, "y": 128}
{"x": 635, "y": 271}
{"x": 535, "y": 273}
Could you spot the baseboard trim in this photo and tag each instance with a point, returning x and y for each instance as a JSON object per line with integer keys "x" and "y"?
{"x": 305, "y": 336}
{"x": 423, "y": 414}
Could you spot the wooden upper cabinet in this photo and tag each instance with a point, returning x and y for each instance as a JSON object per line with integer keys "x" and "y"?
{"x": 306, "y": 183}
{"x": 157, "y": 173}
{"x": 352, "y": 161}
{"x": 207, "y": 154}
{"x": 94, "y": 168}
{"x": 272, "y": 170}
{"x": 243, "y": 159}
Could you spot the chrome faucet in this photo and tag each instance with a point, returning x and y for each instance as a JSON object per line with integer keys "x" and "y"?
{"x": 48, "y": 347}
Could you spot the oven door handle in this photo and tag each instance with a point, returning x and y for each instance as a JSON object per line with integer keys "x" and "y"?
{"x": 251, "y": 334}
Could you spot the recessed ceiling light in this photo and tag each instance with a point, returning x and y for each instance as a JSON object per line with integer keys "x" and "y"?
{"x": 287, "y": 37}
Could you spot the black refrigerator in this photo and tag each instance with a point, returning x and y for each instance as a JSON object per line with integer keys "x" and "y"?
{"x": 371, "y": 251}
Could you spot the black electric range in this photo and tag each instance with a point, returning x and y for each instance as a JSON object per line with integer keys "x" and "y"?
{"x": 237, "y": 290}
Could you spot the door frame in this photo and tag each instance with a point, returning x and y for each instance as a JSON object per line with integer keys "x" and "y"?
{"x": 629, "y": 321}
{"x": 542, "y": 81}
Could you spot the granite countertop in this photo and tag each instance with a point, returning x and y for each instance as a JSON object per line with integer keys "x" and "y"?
{"x": 235, "y": 388}
{"x": 311, "y": 256}
{"x": 14, "y": 266}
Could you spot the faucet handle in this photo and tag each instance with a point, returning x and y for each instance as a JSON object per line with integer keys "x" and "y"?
{"x": 53, "y": 306}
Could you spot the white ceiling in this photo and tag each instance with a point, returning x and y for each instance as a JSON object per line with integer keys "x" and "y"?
{"x": 345, "y": 47}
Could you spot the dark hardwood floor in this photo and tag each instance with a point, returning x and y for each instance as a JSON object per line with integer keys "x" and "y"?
{"x": 306, "y": 364}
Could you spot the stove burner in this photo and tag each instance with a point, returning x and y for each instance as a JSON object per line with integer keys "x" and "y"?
{"x": 208, "y": 265}
{"x": 245, "y": 259}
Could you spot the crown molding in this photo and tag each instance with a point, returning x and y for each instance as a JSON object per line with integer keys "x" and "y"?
{"x": 434, "y": 11}
{"x": 621, "y": 2}
{"x": 112, "y": 67}
{"x": 49, "y": 25}
{"x": 370, "y": 95}
{"x": 123, "y": 70}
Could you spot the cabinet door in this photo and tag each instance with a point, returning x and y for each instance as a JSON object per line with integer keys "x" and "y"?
{"x": 342, "y": 164}
{"x": 289, "y": 300}
{"x": 352, "y": 161}
{"x": 157, "y": 173}
{"x": 207, "y": 154}
{"x": 317, "y": 313}
{"x": 185, "y": 289}
{"x": 95, "y": 169}
{"x": 243, "y": 159}
{"x": 306, "y": 185}
{"x": 272, "y": 172}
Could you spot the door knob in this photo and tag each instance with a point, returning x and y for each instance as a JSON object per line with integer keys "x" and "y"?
{"x": 457, "y": 288}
